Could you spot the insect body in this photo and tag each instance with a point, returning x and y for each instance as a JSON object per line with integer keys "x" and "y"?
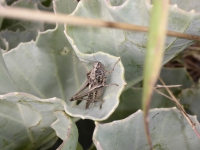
{"x": 97, "y": 74}
{"x": 94, "y": 96}
{"x": 92, "y": 90}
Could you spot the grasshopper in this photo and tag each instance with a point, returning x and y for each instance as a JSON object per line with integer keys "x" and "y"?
{"x": 95, "y": 83}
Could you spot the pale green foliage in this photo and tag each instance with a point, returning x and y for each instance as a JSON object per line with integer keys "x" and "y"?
{"x": 66, "y": 130}
{"x": 25, "y": 121}
{"x": 165, "y": 127}
{"x": 190, "y": 99}
{"x": 48, "y": 68}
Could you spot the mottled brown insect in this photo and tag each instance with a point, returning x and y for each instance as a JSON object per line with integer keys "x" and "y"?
{"x": 92, "y": 90}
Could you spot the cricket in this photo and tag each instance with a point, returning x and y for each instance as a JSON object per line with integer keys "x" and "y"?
{"x": 92, "y": 90}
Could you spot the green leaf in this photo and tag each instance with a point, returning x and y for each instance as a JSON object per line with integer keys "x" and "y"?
{"x": 25, "y": 121}
{"x": 6, "y": 82}
{"x": 190, "y": 99}
{"x": 129, "y": 45}
{"x": 17, "y": 31}
{"x": 65, "y": 7}
{"x": 14, "y": 38}
{"x": 66, "y": 130}
{"x": 176, "y": 76}
{"x": 111, "y": 93}
{"x": 168, "y": 129}
{"x": 41, "y": 71}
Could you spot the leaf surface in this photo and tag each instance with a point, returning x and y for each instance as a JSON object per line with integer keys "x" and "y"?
{"x": 25, "y": 121}
{"x": 66, "y": 129}
{"x": 168, "y": 129}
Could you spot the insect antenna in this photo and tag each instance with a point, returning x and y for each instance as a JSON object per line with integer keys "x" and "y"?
{"x": 95, "y": 57}
{"x": 92, "y": 51}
